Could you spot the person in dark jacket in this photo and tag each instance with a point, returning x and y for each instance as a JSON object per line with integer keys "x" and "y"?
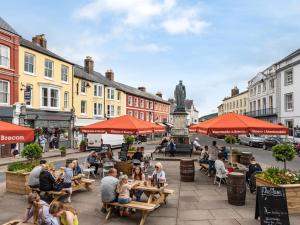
{"x": 138, "y": 155}
{"x": 93, "y": 161}
{"x": 46, "y": 179}
{"x": 253, "y": 167}
{"x": 172, "y": 147}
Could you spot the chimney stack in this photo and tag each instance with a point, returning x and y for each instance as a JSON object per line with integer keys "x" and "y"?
{"x": 235, "y": 91}
{"x": 159, "y": 94}
{"x": 40, "y": 40}
{"x": 89, "y": 65}
{"x": 142, "y": 89}
{"x": 109, "y": 74}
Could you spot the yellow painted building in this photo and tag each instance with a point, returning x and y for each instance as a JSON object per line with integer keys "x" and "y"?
{"x": 237, "y": 102}
{"x": 95, "y": 97}
{"x": 46, "y": 89}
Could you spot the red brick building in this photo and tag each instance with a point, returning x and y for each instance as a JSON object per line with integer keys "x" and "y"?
{"x": 9, "y": 69}
{"x": 146, "y": 106}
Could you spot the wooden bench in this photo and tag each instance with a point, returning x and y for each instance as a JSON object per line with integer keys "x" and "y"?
{"x": 204, "y": 167}
{"x": 145, "y": 208}
{"x": 84, "y": 184}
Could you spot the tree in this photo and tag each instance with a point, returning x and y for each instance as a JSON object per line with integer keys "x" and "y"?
{"x": 283, "y": 152}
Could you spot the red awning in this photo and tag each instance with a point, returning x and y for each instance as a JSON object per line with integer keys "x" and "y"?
{"x": 123, "y": 125}
{"x": 232, "y": 123}
{"x": 12, "y": 133}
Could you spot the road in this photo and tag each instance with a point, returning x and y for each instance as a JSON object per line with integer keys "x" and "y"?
{"x": 262, "y": 156}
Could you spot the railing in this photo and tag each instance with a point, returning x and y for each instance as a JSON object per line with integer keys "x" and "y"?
{"x": 262, "y": 112}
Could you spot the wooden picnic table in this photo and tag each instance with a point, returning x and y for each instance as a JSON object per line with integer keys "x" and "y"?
{"x": 155, "y": 195}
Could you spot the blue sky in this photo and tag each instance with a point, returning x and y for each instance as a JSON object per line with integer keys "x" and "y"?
{"x": 212, "y": 45}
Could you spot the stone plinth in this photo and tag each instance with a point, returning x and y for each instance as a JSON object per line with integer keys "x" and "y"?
{"x": 180, "y": 132}
{"x": 180, "y": 119}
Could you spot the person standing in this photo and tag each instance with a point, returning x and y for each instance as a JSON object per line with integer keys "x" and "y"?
{"x": 14, "y": 150}
{"x": 172, "y": 147}
{"x": 108, "y": 188}
{"x": 212, "y": 157}
{"x": 43, "y": 142}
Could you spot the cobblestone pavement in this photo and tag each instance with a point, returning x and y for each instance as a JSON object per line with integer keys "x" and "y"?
{"x": 193, "y": 203}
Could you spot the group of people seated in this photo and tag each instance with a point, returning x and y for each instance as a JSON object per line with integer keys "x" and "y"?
{"x": 168, "y": 144}
{"x": 44, "y": 178}
{"x": 119, "y": 190}
{"x": 44, "y": 214}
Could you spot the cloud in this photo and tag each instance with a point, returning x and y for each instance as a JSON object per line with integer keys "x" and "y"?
{"x": 185, "y": 21}
{"x": 134, "y": 12}
{"x": 151, "y": 48}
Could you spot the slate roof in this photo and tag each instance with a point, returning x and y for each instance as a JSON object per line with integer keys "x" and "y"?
{"x": 95, "y": 77}
{"x": 5, "y": 26}
{"x": 137, "y": 92}
{"x": 207, "y": 117}
{"x": 35, "y": 47}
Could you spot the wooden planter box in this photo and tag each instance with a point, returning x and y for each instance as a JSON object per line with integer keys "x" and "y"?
{"x": 17, "y": 182}
{"x": 235, "y": 158}
{"x": 292, "y": 194}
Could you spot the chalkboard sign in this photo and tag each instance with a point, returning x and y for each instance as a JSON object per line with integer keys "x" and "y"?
{"x": 123, "y": 152}
{"x": 271, "y": 206}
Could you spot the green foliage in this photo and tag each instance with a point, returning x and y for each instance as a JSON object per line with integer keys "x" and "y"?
{"x": 21, "y": 167}
{"x": 132, "y": 149}
{"x": 129, "y": 139}
{"x": 62, "y": 149}
{"x": 32, "y": 151}
{"x": 283, "y": 152}
{"x": 230, "y": 139}
{"x": 83, "y": 143}
{"x": 279, "y": 176}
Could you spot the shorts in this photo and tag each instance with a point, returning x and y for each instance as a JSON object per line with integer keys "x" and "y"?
{"x": 124, "y": 200}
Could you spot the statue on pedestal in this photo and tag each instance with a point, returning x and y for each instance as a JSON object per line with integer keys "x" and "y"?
{"x": 180, "y": 95}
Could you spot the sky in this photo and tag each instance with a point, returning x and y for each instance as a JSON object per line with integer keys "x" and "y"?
{"x": 212, "y": 45}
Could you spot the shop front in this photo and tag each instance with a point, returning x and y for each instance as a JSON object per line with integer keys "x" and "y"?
{"x": 6, "y": 115}
{"x": 56, "y": 127}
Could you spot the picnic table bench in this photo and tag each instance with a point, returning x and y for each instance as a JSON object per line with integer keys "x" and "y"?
{"x": 84, "y": 184}
{"x": 204, "y": 167}
{"x": 144, "y": 207}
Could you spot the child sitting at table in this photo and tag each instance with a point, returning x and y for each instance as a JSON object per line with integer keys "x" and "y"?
{"x": 123, "y": 188}
{"x": 138, "y": 176}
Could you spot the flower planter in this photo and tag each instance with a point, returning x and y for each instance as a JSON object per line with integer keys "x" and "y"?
{"x": 82, "y": 148}
{"x": 292, "y": 194}
{"x": 17, "y": 182}
{"x": 63, "y": 153}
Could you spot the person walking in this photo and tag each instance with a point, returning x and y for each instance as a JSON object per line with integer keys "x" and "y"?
{"x": 212, "y": 157}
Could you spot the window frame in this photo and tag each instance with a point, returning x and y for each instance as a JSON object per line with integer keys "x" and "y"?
{"x": 110, "y": 92}
{"x": 98, "y": 86}
{"x": 287, "y": 109}
{"x": 129, "y": 100}
{"x": 83, "y": 87}
{"x": 49, "y": 88}
{"x": 31, "y": 99}
{"x": 66, "y": 100}
{"x": 8, "y": 56}
{"x": 109, "y": 108}
{"x": 62, "y": 74}
{"x": 83, "y": 112}
{"x": 33, "y": 63}
{"x": 136, "y": 102}
{"x": 286, "y": 76}
{"x": 7, "y": 93}
{"x": 99, "y": 109}
{"x": 48, "y": 69}
{"x": 142, "y": 103}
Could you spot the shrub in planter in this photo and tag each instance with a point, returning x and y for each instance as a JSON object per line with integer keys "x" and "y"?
{"x": 21, "y": 167}
{"x": 63, "y": 151}
{"x": 32, "y": 151}
{"x": 283, "y": 153}
{"x": 278, "y": 176}
{"x": 129, "y": 139}
{"x": 230, "y": 139}
{"x": 82, "y": 146}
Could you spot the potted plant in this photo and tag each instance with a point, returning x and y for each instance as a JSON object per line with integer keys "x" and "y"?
{"x": 82, "y": 146}
{"x": 287, "y": 179}
{"x": 234, "y": 153}
{"x": 129, "y": 139}
{"x": 17, "y": 173}
{"x": 63, "y": 151}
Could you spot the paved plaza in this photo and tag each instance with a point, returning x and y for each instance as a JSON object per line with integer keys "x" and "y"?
{"x": 199, "y": 203}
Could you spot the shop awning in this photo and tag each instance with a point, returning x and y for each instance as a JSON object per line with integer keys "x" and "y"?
{"x": 123, "y": 125}
{"x": 233, "y": 124}
{"x": 12, "y": 133}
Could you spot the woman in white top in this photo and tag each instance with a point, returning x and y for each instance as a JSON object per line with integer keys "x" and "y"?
{"x": 161, "y": 176}
{"x": 221, "y": 172}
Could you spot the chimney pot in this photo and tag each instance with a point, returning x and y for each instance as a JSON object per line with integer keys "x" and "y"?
{"x": 142, "y": 89}
{"x": 109, "y": 74}
{"x": 159, "y": 94}
{"x": 40, "y": 40}
{"x": 89, "y": 65}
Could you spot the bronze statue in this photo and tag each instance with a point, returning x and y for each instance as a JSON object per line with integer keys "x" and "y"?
{"x": 180, "y": 95}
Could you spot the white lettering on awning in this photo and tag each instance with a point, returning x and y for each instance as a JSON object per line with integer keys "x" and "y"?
{"x": 11, "y": 138}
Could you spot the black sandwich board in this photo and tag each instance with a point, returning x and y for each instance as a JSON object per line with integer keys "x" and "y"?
{"x": 123, "y": 152}
{"x": 271, "y": 206}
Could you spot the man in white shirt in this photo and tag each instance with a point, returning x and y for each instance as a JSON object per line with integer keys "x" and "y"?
{"x": 221, "y": 172}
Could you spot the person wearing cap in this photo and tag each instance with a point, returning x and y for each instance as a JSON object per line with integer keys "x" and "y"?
{"x": 34, "y": 177}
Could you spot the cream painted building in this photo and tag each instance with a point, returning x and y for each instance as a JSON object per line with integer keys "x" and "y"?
{"x": 237, "y": 102}
{"x": 95, "y": 97}
{"x": 46, "y": 89}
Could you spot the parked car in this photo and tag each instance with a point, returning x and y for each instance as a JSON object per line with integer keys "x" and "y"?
{"x": 251, "y": 140}
{"x": 272, "y": 141}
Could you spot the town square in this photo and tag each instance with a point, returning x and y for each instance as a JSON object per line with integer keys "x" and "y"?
{"x": 150, "y": 112}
